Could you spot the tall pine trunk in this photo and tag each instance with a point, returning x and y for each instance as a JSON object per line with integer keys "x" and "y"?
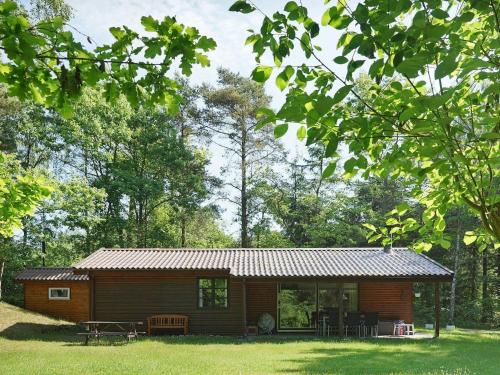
{"x": 244, "y": 199}
{"x": 183, "y": 231}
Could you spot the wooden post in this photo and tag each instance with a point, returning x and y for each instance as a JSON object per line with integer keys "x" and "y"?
{"x": 437, "y": 309}
{"x": 244, "y": 286}
{"x": 340, "y": 303}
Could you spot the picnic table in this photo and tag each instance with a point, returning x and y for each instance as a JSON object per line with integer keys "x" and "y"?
{"x": 97, "y": 329}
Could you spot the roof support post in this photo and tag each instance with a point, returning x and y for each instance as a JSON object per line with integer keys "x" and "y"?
{"x": 340, "y": 303}
{"x": 244, "y": 314}
{"x": 437, "y": 309}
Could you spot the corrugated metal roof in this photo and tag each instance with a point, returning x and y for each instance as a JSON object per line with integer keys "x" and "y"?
{"x": 290, "y": 262}
{"x": 49, "y": 274}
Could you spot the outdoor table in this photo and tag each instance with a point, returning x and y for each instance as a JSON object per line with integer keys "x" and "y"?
{"x": 97, "y": 329}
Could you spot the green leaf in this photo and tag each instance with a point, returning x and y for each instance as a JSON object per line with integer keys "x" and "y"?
{"x": 440, "y": 14}
{"x": 340, "y": 59}
{"x": 149, "y": 23}
{"x": 492, "y": 89}
{"x": 206, "y": 44}
{"x": 408, "y": 113}
{"x": 402, "y": 208}
{"x": 284, "y": 77}
{"x": 422, "y": 246}
{"x": 329, "y": 170}
{"x": 370, "y": 226}
{"x": 342, "y": 93}
{"x": 446, "y": 66}
{"x": 469, "y": 237}
{"x": 305, "y": 44}
{"x": 419, "y": 20}
{"x": 376, "y": 68}
{"x": 411, "y": 66}
{"x": 262, "y": 73}
{"x": 280, "y": 130}
{"x": 301, "y": 133}
{"x": 242, "y": 7}
{"x": 392, "y": 221}
{"x": 291, "y": 6}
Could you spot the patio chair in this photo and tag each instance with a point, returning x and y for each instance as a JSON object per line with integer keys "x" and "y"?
{"x": 371, "y": 323}
{"x": 353, "y": 323}
{"x": 314, "y": 320}
{"x": 333, "y": 320}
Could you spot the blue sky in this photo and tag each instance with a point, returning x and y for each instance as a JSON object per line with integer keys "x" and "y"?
{"x": 212, "y": 18}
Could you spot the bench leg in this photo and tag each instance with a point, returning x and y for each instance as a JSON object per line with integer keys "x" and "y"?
{"x": 86, "y": 340}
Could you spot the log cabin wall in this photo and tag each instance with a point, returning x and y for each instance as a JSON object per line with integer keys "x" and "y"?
{"x": 138, "y": 295}
{"x": 36, "y": 298}
{"x": 392, "y": 300}
{"x": 261, "y": 298}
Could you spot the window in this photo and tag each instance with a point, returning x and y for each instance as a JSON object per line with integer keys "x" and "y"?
{"x": 59, "y": 293}
{"x": 212, "y": 293}
{"x": 299, "y": 304}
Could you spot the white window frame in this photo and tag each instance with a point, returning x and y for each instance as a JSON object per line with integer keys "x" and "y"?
{"x": 60, "y": 298}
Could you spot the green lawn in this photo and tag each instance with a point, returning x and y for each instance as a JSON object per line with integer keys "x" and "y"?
{"x": 33, "y": 344}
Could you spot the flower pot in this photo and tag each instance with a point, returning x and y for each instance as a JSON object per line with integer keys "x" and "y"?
{"x": 429, "y": 326}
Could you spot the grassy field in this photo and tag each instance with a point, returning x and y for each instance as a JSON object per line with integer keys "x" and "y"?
{"x": 34, "y": 344}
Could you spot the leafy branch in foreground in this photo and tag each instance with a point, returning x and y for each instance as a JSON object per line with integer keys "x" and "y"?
{"x": 43, "y": 61}
{"x": 430, "y": 116}
{"x": 20, "y": 192}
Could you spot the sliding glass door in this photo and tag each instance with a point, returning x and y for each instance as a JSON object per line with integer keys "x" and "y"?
{"x": 297, "y": 305}
{"x": 300, "y": 303}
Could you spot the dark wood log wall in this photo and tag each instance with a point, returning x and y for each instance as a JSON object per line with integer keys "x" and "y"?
{"x": 136, "y": 296}
{"x": 36, "y": 298}
{"x": 393, "y": 300}
{"x": 261, "y": 298}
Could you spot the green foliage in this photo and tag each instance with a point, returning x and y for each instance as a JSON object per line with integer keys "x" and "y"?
{"x": 20, "y": 192}
{"x": 429, "y": 115}
{"x": 46, "y": 64}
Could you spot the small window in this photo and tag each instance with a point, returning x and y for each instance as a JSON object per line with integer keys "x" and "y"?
{"x": 59, "y": 293}
{"x": 212, "y": 293}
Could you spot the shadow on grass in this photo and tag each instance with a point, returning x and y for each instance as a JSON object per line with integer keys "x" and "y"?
{"x": 61, "y": 333}
{"x": 40, "y": 332}
{"x": 459, "y": 354}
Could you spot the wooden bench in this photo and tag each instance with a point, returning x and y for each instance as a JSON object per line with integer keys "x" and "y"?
{"x": 168, "y": 321}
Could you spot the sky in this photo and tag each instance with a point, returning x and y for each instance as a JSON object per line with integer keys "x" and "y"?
{"x": 212, "y": 18}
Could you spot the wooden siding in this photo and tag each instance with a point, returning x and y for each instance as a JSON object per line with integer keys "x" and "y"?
{"x": 138, "y": 295}
{"x": 36, "y": 298}
{"x": 393, "y": 300}
{"x": 261, "y": 298}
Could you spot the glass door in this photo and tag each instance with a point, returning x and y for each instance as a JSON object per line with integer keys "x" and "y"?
{"x": 297, "y": 306}
{"x": 302, "y": 304}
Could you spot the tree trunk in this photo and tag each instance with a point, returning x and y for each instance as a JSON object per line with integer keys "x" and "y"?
{"x": 2, "y": 266}
{"x": 183, "y": 231}
{"x": 244, "y": 201}
{"x": 455, "y": 275}
{"x": 473, "y": 273}
{"x": 485, "y": 297}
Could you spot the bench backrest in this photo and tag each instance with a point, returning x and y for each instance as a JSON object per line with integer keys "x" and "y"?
{"x": 168, "y": 320}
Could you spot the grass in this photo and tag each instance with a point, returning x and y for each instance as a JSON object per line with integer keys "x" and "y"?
{"x": 34, "y": 344}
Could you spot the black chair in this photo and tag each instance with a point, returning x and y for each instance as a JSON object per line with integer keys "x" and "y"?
{"x": 333, "y": 319}
{"x": 353, "y": 323}
{"x": 371, "y": 322}
{"x": 314, "y": 320}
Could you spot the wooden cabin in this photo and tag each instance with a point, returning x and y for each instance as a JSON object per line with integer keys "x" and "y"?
{"x": 225, "y": 291}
